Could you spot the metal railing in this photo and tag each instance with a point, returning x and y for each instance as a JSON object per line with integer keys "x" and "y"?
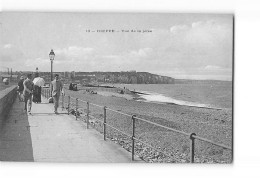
{"x": 191, "y": 136}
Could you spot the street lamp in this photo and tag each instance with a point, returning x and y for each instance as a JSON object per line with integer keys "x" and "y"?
{"x": 36, "y": 72}
{"x": 51, "y": 55}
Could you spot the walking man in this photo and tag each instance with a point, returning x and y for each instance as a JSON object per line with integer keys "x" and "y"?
{"x": 56, "y": 89}
{"x": 27, "y": 92}
{"x": 20, "y": 89}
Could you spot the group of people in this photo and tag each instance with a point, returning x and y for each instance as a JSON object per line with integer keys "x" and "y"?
{"x": 28, "y": 92}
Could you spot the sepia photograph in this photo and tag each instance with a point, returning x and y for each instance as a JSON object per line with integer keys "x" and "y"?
{"x": 110, "y": 87}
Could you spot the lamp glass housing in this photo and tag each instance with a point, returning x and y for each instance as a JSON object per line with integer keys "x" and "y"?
{"x": 52, "y": 55}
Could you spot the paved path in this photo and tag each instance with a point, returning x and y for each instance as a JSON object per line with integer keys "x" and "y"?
{"x": 46, "y": 137}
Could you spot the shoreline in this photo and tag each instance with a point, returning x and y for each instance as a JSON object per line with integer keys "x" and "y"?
{"x": 137, "y": 96}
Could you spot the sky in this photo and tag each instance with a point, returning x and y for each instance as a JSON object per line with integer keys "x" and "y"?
{"x": 184, "y": 46}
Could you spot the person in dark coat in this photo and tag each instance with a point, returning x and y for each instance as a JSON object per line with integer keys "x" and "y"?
{"x": 37, "y": 92}
{"x": 20, "y": 89}
{"x": 71, "y": 86}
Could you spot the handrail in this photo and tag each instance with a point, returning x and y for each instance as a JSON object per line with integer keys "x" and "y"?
{"x": 184, "y": 133}
{"x": 82, "y": 101}
{"x": 119, "y": 130}
{"x": 96, "y": 105}
{"x": 159, "y": 125}
{"x": 191, "y": 136}
{"x": 168, "y": 128}
{"x": 214, "y": 143}
{"x": 119, "y": 112}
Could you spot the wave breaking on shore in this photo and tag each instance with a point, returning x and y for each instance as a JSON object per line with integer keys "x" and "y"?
{"x": 159, "y": 98}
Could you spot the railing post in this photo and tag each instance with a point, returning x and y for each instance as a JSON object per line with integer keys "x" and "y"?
{"x": 77, "y": 101}
{"x": 68, "y": 105}
{"x": 62, "y": 102}
{"x": 133, "y": 138}
{"x": 87, "y": 115}
{"x": 192, "y": 147}
{"x": 105, "y": 121}
{"x": 49, "y": 93}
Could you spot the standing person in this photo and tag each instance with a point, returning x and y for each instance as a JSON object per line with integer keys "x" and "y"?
{"x": 20, "y": 89}
{"x": 27, "y": 92}
{"x": 56, "y": 89}
{"x": 37, "y": 92}
{"x": 71, "y": 86}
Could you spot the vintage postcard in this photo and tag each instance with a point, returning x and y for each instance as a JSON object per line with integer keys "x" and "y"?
{"x": 116, "y": 87}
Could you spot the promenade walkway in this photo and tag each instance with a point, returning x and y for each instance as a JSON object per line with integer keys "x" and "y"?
{"x": 46, "y": 137}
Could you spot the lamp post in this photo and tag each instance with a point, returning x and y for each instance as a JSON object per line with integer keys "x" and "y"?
{"x": 36, "y": 72}
{"x": 51, "y": 55}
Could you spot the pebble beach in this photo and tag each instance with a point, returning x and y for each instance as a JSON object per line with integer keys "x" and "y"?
{"x": 212, "y": 124}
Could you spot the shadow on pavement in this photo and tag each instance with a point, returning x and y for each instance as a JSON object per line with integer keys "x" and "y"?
{"x": 15, "y": 136}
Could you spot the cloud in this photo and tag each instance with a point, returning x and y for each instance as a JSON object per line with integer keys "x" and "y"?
{"x": 111, "y": 56}
{"x": 217, "y": 70}
{"x": 7, "y": 46}
{"x": 142, "y": 52}
{"x": 74, "y": 51}
{"x": 178, "y": 28}
{"x": 37, "y": 62}
{"x": 177, "y": 46}
{"x": 9, "y": 54}
{"x": 198, "y": 24}
{"x": 210, "y": 67}
{"x": 208, "y": 23}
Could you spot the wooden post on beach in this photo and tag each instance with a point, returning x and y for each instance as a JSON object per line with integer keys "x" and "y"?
{"x": 87, "y": 115}
{"x": 105, "y": 121}
{"x": 68, "y": 105}
{"x": 76, "y": 111}
{"x": 192, "y": 147}
{"x": 133, "y": 138}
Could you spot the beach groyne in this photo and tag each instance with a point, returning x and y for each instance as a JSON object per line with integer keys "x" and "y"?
{"x": 7, "y": 97}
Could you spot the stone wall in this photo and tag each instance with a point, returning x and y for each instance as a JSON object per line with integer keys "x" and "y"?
{"x": 7, "y": 97}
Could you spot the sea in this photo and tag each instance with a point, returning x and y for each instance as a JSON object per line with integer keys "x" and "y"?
{"x": 204, "y": 94}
